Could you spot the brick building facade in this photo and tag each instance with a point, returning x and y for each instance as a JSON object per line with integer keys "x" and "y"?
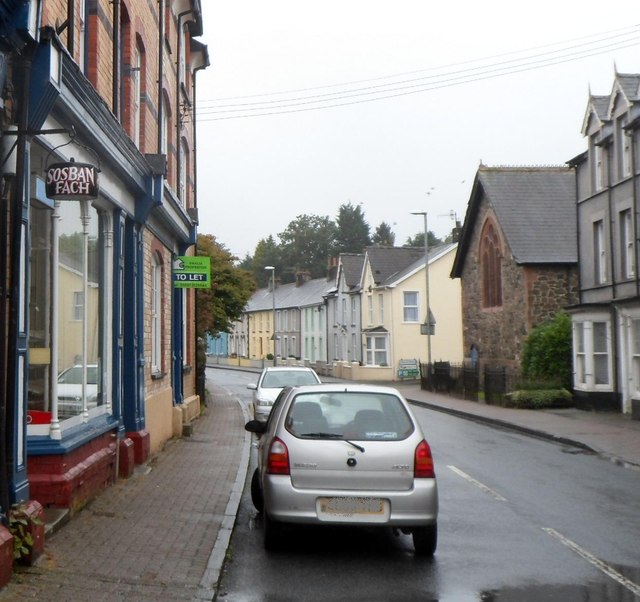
{"x": 100, "y": 353}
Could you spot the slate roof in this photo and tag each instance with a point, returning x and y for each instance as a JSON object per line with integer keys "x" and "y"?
{"x": 352, "y": 269}
{"x": 535, "y": 208}
{"x": 289, "y": 295}
{"x": 387, "y": 262}
{"x": 630, "y": 84}
{"x": 598, "y": 105}
{"x": 435, "y": 252}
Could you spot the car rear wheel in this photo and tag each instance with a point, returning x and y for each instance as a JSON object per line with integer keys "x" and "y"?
{"x": 273, "y": 533}
{"x": 256, "y": 491}
{"x": 425, "y": 540}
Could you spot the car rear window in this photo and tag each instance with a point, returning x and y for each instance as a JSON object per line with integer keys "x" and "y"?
{"x": 283, "y": 378}
{"x": 349, "y": 415}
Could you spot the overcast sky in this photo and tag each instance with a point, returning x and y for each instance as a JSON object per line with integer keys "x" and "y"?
{"x": 462, "y": 82}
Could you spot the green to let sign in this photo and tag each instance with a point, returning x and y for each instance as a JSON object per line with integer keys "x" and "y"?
{"x": 192, "y": 272}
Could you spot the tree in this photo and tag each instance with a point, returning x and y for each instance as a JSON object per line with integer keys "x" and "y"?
{"x": 418, "y": 240}
{"x": 383, "y": 236}
{"x": 306, "y": 245}
{"x": 547, "y": 351}
{"x": 267, "y": 252}
{"x": 247, "y": 263}
{"x": 352, "y": 231}
{"x": 231, "y": 287}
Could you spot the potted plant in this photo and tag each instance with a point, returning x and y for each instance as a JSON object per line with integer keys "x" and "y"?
{"x": 26, "y": 524}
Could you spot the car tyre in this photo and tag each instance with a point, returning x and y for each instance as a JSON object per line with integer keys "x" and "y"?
{"x": 256, "y": 491}
{"x": 425, "y": 540}
{"x": 273, "y": 532}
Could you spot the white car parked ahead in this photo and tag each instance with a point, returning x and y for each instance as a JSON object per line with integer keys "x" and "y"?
{"x": 272, "y": 380}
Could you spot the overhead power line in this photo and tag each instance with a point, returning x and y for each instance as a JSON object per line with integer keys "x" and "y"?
{"x": 440, "y": 77}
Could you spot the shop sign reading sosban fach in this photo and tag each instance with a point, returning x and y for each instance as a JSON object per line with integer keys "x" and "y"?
{"x": 72, "y": 181}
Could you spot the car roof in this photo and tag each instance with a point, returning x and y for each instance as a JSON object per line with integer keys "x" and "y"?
{"x": 345, "y": 388}
{"x": 287, "y": 369}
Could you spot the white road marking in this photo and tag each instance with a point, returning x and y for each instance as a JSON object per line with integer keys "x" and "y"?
{"x": 603, "y": 566}
{"x": 478, "y": 484}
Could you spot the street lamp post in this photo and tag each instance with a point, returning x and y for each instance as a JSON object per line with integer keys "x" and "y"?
{"x": 426, "y": 271}
{"x": 272, "y": 269}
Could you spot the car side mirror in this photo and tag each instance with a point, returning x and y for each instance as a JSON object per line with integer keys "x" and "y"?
{"x": 256, "y": 426}
{"x": 252, "y": 386}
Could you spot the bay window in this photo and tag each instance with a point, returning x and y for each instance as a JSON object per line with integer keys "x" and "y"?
{"x": 592, "y": 355}
{"x": 376, "y": 351}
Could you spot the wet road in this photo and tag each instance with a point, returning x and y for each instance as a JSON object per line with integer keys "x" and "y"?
{"x": 520, "y": 520}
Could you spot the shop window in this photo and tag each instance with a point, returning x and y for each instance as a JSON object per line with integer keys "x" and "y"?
{"x": 66, "y": 290}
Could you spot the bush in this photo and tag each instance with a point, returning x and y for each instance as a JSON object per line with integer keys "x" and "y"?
{"x": 547, "y": 352}
{"x": 538, "y": 399}
{"x": 542, "y": 384}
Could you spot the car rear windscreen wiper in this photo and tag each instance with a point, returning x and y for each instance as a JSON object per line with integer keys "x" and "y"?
{"x": 332, "y": 436}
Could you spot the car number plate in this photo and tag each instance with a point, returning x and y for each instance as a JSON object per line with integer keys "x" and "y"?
{"x": 351, "y": 506}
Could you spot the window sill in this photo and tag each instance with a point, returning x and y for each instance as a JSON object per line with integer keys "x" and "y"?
{"x": 158, "y": 375}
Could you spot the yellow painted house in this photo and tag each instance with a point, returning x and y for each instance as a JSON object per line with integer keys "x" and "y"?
{"x": 394, "y": 307}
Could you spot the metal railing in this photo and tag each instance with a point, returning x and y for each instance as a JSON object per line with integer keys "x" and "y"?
{"x": 491, "y": 383}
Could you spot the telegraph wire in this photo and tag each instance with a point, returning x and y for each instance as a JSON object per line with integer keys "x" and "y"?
{"x": 397, "y": 89}
{"x": 629, "y": 29}
{"x": 455, "y": 76}
{"x": 471, "y": 70}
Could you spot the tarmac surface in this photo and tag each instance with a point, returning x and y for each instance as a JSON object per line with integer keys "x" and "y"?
{"x": 163, "y": 534}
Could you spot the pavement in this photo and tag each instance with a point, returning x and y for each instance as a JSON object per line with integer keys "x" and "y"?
{"x": 163, "y": 534}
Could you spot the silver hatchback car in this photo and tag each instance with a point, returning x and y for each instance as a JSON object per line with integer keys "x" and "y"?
{"x": 345, "y": 454}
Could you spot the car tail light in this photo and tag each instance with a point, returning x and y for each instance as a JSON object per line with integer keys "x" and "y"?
{"x": 423, "y": 468}
{"x": 278, "y": 462}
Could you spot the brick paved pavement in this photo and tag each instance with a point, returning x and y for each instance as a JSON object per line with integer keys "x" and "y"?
{"x": 152, "y": 537}
{"x": 163, "y": 535}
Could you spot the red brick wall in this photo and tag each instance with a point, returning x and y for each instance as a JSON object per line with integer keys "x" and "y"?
{"x": 140, "y": 26}
{"x": 71, "y": 480}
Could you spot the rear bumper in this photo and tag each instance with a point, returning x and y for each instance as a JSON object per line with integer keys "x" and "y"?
{"x": 412, "y": 508}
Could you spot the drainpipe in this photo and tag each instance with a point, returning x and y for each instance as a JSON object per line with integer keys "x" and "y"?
{"x": 194, "y": 160}
{"x": 71, "y": 27}
{"x": 613, "y": 312}
{"x": 575, "y": 178}
{"x": 117, "y": 67}
{"x": 181, "y": 44}
{"x": 612, "y": 262}
{"x": 161, "y": 10}
{"x": 631, "y": 131}
{"x": 4, "y": 271}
